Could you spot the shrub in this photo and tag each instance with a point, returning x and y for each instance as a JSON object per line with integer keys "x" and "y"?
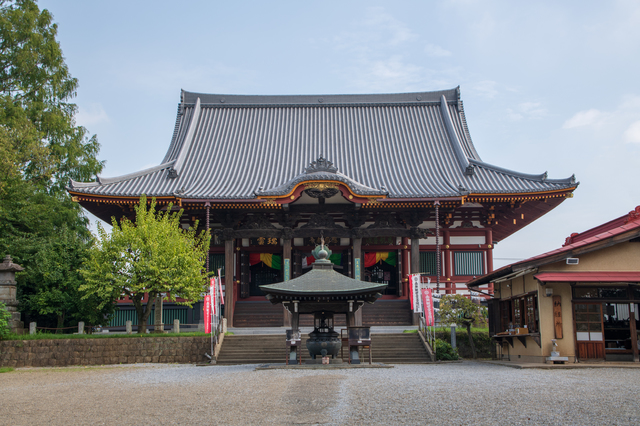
{"x": 444, "y": 351}
{"x": 481, "y": 339}
{"x": 5, "y": 316}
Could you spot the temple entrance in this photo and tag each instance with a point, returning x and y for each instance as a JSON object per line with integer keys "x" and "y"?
{"x": 261, "y": 274}
{"x": 381, "y": 268}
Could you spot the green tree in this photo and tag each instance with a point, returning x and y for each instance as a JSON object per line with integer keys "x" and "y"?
{"x": 153, "y": 255}
{"x": 42, "y": 140}
{"x": 462, "y": 311}
{"x": 41, "y": 148}
{"x": 48, "y": 237}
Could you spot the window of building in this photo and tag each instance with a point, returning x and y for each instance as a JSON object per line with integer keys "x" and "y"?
{"x": 428, "y": 261}
{"x": 600, "y": 293}
{"x": 468, "y": 263}
{"x": 521, "y": 311}
{"x": 216, "y": 261}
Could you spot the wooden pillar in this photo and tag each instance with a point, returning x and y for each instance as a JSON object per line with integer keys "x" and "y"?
{"x": 286, "y": 276}
{"x": 406, "y": 261}
{"x": 489, "y": 241}
{"x": 351, "y": 319}
{"x": 446, "y": 242}
{"x": 229, "y": 267}
{"x": 633, "y": 329}
{"x": 415, "y": 252}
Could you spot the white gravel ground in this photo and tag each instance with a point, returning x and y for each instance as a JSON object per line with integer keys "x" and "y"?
{"x": 466, "y": 393}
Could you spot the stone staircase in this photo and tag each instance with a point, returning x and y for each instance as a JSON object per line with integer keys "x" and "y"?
{"x": 265, "y": 314}
{"x": 397, "y": 348}
{"x": 258, "y": 314}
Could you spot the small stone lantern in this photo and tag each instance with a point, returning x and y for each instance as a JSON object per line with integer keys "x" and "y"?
{"x": 8, "y": 292}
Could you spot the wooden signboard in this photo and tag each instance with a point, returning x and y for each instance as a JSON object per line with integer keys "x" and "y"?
{"x": 557, "y": 316}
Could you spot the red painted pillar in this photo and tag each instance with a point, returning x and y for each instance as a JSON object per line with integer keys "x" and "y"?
{"x": 446, "y": 244}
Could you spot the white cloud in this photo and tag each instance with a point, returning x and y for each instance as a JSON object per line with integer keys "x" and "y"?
{"x": 390, "y": 74}
{"x": 92, "y": 114}
{"x": 533, "y": 109}
{"x": 527, "y": 110}
{"x": 398, "y": 32}
{"x": 436, "y": 51}
{"x": 632, "y": 134}
{"x": 591, "y": 117}
{"x": 486, "y": 88}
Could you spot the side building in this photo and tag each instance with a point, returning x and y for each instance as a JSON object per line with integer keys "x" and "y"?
{"x": 379, "y": 176}
{"x": 585, "y": 296}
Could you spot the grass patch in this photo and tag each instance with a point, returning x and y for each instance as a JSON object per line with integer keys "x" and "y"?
{"x": 50, "y": 336}
{"x": 411, "y": 331}
{"x": 6, "y": 369}
{"x": 228, "y": 333}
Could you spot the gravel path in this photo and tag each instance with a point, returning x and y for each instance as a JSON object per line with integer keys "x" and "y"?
{"x": 466, "y": 393}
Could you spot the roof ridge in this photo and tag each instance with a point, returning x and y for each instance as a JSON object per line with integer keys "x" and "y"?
{"x": 186, "y": 144}
{"x": 319, "y": 99}
{"x": 463, "y": 161}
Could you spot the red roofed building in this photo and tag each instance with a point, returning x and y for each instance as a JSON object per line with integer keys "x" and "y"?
{"x": 585, "y": 295}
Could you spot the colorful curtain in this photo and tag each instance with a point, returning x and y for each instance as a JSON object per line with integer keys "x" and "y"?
{"x": 271, "y": 260}
{"x": 388, "y": 257}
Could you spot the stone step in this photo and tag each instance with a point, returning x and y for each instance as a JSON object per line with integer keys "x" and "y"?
{"x": 260, "y": 349}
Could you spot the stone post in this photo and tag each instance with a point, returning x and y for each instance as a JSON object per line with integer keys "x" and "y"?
{"x": 81, "y": 327}
{"x": 8, "y": 293}
{"x": 453, "y": 336}
{"x": 32, "y": 328}
{"x": 158, "y": 325}
{"x": 129, "y": 328}
{"x": 176, "y": 326}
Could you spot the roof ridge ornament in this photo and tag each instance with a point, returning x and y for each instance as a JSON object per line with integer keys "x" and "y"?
{"x": 321, "y": 165}
{"x": 322, "y": 253}
{"x": 633, "y": 215}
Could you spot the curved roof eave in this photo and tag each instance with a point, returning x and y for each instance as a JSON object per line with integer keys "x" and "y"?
{"x": 538, "y": 178}
{"x": 101, "y": 181}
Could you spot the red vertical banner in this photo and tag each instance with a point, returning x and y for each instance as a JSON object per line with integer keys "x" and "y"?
{"x": 207, "y": 314}
{"x": 427, "y": 302}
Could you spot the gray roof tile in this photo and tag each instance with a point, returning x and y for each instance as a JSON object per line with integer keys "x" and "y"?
{"x": 229, "y": 146}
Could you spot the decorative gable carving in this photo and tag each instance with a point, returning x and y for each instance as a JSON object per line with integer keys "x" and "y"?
{"x": 386, "y": 220}
{"x": 254, "y": 221}
{"x": 321, "y": 220}
{"x": 321, "y": 165}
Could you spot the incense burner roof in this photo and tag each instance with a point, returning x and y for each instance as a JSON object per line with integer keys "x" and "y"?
{"x": 325, "y": 283}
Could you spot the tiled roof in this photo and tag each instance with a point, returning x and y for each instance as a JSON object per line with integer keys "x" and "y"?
{"x": 618, "y": 230}
{"x": 408, "y": 145}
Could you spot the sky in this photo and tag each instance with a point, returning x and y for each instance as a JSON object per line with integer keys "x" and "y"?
{"x": 547, "y": 86}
